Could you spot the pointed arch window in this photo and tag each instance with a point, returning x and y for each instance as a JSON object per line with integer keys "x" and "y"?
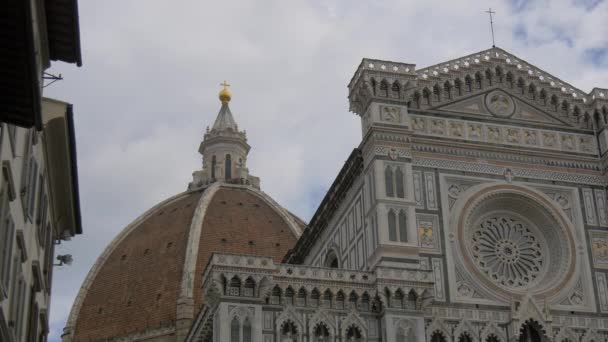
{"x": 436, "y": 93}
{"x": 426, "y": 95}
{"x": 234, "y": 287}
{"x": 228, "y": 167}
{"x": 353, "y": 334}
{"x": 465, "y": 337}
{"x": 499, "y": 75}
{"x": 397, "y": 300}
{"x": 340, "y": 300}
{"x": 395, "y": 90}
{"x": 437, "y": 337}
{"x": 399, "y": 187}
{"x": 392, "y": 226}
{"x": 543, "y": 97}
{"x": 314, "y": 298}
{"x": 388, "y": 181}
{"x": 532, "y": 92}
{"x": 417, "y": 99}
{"x": 521, "y": 86}
{"x": 478, "y": 81}
{"x": 492, "y": 338}
{"x": 510, "y": 80}
{"x": 565, "y": 108}
{"x": 352, "y": 300}
{"x": 275, "y": 297}
{"x": 326, "y": 302}
{"x": 468, "y": 83}
{"x": 364, "y": 303}
{"x": 289, "y": 296}
{"x": 458, "y": 86}
{"x": 301, "y": 298}
{"x": 394, "y": 181}
{"x": 554, "y": 102}
{"x": 447, "y": 90}
{"x": 401, "y": 335}
{"x": 529, "y": 332}
{"x": 289, "y": 332}
{"x": 489, "y": 77}
{"x": 383, "y": 89}
{"x": 397, "y": 225}
{"x": 246, "y": 330}
{"x": 235, "y": 330}
{"x": 331, "y": 260}
{"x": 402, "y": 226}
{"x": 249, "y": 287}
{"x": 321, "y": 334}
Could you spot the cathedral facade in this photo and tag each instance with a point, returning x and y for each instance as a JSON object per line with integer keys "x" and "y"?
{"x": 474, "y": 209}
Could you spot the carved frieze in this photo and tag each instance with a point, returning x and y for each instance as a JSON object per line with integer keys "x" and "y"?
{"x": 504, "y": 134}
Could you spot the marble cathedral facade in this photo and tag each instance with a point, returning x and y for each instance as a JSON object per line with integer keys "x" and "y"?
{"x": 474, "y": 209}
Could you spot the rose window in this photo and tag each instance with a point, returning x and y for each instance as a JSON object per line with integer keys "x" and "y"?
{"x": 507, "y": 251}
{"x": 511, "y": 240}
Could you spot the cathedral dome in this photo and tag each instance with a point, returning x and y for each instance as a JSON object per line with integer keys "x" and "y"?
{"x": 147, "y": 282}
{"x": 153, "y": 269}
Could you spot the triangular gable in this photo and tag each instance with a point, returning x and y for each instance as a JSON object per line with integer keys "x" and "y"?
{"x": 520, "y": 110}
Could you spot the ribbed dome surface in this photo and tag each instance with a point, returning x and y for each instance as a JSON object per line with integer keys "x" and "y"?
{"x": 135, "y": 285}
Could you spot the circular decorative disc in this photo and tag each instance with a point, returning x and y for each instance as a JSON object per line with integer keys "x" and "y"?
{"x": 500, "y": 104}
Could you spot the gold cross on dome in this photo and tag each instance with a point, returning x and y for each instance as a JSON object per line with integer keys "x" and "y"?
{"x": 225, "y": 84}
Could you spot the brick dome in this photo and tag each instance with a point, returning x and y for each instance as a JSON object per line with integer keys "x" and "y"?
{"x": 147, "y": 282}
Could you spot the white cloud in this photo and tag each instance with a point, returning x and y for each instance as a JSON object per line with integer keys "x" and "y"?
{"x": 152, "y": 68}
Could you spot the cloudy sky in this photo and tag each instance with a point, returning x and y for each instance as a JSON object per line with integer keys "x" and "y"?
{"x": 152, "y": 68}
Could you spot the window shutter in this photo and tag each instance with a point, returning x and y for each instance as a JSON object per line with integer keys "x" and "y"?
{"x": 31, "y": 191}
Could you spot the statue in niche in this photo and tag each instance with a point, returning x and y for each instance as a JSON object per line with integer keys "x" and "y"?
{"x": 568, "y": 142}
{"x": 549, "y": 139}
{"x": 390, "y": 114}
{"x": 585, "y": 143}
{"x": 513, "y": 135}
{"x": 530, "y": 137}
{"x": 475, "y": 131}
{"x": 419, "y": 124}
{"x": 438, "y": 127}
{"x": 456, "y": 129}
{"x": 493, "y": 133}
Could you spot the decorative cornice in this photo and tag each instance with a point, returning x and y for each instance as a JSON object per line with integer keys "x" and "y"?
{"x": 427, "y": 87}
{"x": 427, "y": 147}
{"x": 516, "y": 172}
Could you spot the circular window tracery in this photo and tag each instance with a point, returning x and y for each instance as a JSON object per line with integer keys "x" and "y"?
{"x": 510, "y": 240}
{"x": 507, "y": 251}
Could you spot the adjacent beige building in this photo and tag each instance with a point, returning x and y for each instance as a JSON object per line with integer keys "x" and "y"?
{"x": 39, "y": 202}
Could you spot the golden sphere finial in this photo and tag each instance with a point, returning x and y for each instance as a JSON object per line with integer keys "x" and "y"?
{"x": 225, "y": 94}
